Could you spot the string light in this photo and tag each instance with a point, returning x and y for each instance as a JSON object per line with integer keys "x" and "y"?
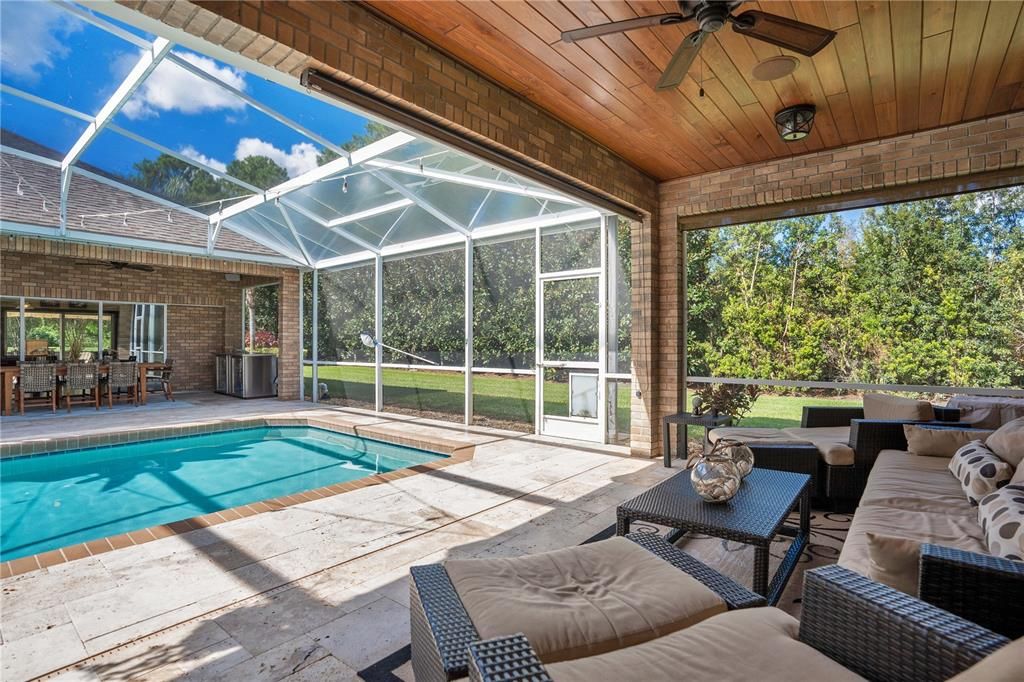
{"x": 344, "y": 186}
{"x": 21, "y": 192}
{"x": 45, "y": 210}
{"x": 169, "y": 217}
{"x": 124, "y": 221}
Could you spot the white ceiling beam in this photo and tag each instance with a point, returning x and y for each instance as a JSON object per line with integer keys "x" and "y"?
{"x": 149, "y": 60}
{"x": 470, "y": 180}
{"x": 87, "y": 237}
{"x": 370, "y": 212}
{"x": 21, "y": 153}
{"x": 295, "y": 234}
{"x": 28, "y": 96}
{"x": 510, "y": 227}
{"x": 142, "y": 194}
{"x": 256, "y": 104}
{"x": 114, "y": 128}
{"x": 325, "y": 171}
{"x": 361, "y": 243}
{"x": 422, "y": 203}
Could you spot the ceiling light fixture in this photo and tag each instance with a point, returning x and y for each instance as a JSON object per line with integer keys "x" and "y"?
{"x": 794, "y": 123}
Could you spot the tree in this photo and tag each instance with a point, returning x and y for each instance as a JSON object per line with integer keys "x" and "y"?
{"x": 258, "y": 170}
{"x": 371, "y": 133}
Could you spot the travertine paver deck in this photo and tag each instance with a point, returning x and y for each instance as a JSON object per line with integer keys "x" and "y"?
{"x": 313, "y": 591}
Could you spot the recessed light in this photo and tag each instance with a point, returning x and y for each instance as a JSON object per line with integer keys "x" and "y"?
{"x": 775, "y": 68}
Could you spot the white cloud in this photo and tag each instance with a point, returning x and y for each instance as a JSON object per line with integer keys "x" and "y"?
{"x": 300, "y": 159}
{"x": 32, "y": 36}
{"x": 190, "y": 152}
{"x": 171, "y": 88}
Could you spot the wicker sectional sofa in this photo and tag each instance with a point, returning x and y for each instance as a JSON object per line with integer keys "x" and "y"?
{"x": 836, "y": 446}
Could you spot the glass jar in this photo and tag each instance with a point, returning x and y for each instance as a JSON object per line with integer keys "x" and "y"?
{"x": 715, "y": 478}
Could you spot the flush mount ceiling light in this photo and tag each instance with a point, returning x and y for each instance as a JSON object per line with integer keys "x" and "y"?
{"x": 794, "y": 123}
{"x": 775, "y": 68}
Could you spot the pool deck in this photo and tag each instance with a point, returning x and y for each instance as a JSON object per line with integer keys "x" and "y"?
{"x": 316, "y": 590}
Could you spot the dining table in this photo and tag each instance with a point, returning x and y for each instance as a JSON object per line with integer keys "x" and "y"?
{"x": 9, "y": 373}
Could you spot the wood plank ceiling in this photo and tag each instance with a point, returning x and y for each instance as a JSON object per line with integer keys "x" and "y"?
{"x": 893, "y": 68}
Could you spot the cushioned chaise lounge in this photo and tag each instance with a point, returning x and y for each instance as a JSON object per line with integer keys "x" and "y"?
{"x": 571, "y": 603}
{"x": 851, "y": 629}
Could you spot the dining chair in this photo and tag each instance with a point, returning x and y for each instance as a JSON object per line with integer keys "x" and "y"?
{"x": 36, "y": 378}
{"x": 82, "y": 384}
{"x": 164, "y": 377}
{"x": 122, "y": 376}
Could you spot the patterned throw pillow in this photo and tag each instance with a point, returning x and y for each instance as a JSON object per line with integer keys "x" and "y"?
{"x": 1002, "y": 520}
{"x": 979, "y": 471}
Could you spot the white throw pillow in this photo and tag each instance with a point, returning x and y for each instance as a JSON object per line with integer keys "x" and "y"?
{"x": 979, "y": 471}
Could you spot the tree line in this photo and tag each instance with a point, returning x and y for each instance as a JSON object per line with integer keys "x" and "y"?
{"x": 924, "y": 292}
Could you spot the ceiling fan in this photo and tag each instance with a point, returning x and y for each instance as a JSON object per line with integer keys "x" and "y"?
{"x": 711, "y": 16}
{"x": 119, "y": 265}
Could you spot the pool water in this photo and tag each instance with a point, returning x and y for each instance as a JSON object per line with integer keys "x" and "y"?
{"x": 65, "y": 498}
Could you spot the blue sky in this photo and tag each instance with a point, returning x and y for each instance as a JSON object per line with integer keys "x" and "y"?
{"x": 53, "y": 54}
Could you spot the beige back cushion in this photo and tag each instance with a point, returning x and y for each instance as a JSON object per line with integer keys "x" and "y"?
{"x": 1008, "y": 442}
{"x": 894, "y": 562}
{"x": 932, "y": 442}
{"x": 884, "y": 406}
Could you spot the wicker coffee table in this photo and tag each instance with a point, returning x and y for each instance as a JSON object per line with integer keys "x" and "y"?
{"x": 754, "y": 516}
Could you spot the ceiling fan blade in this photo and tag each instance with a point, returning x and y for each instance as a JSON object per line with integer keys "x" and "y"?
{"x": 620, "y": 26}
{"x": 677, "y": 67}
{"x": 806, "y": 39}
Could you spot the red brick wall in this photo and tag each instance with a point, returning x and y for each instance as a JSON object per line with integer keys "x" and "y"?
{"x": 956, "y": 158}
{"x": 204, "y": 309}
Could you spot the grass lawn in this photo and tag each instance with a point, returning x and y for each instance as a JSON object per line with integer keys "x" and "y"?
{"x": 496, "y": 396}
{"x": 510, "y": 398}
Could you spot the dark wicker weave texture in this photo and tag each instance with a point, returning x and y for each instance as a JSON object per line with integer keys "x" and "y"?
{"x": 883, "y": 634}
{"x": 754, "y": 516}
{"x": 505, "y": 658}
{"x": 441, "y": 628}
{"x": 983, "y": 589}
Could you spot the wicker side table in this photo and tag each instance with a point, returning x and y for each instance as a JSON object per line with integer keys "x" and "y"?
{"x": 754, "y": 516}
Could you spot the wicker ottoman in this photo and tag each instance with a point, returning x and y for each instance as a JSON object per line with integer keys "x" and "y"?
{"x": 570, "y": 603}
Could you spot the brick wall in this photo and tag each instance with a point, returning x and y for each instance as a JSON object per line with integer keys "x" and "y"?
{"x": 204, "y": 309}
{"x": 957, "y": 158}
{"x": 994, "y": 146}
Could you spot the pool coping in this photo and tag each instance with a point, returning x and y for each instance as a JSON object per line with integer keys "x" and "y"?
{"x": 454, "y": 451}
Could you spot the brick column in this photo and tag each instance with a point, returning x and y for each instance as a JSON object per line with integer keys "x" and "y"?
{"x": 289, "y": 337}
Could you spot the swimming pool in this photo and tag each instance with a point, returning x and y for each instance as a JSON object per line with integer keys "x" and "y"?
{"x": 65, "y": 498}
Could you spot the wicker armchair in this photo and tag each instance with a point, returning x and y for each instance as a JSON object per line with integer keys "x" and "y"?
{"x": 82, "y": 385}
{"x": 868, "y": 628}
{"x": 37, "y": 378}
{"x": 123, "y": 376}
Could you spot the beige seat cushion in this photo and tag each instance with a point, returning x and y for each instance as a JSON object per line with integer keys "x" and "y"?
{"x": 961, "y": 532}
{"x": 748, "y": 644}
{"x": 1005, "y": 665}
{"x": 905, "y": 481}
{"x": 833, "y": 442}
{"x": 933, "y": 442}
{"x": 581, "y": 601}
{"x": 987, "y": 412}
{"x": 1008, "y": 442}
{"x": 885, "y": 406}
{"x": 750, "y": 434}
